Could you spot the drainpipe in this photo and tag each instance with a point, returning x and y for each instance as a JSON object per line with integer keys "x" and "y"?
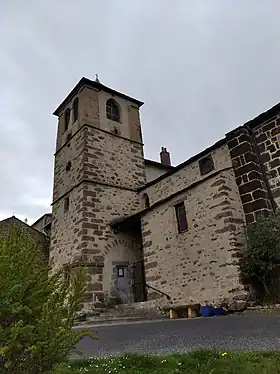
{"x": 257, "y": 152}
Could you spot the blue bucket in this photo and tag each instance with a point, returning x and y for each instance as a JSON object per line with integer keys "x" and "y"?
{"x": 218, "y": 311}
{"x": 206, "y": 311}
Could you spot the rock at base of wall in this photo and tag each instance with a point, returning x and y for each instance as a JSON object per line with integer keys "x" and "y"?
{"x": 237, "y": 306}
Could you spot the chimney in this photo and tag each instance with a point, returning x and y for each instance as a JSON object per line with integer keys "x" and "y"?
{"x": 165, "y": 157}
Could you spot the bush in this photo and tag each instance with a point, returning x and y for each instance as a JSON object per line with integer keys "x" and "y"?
{"x": 37, "y": 309}
{"x": 260, "y": 261}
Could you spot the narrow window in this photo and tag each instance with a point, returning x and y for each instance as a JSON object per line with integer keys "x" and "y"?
{"x": 181, "y": 217}
{"x": 68, "y": 166}
{"x": 146, "y": 200}
{"x": 75, "y": 109}
{"x": 66, "y": 119}
{"x": 68, "y": 138}
{"x": 206, "y": 165}
{"x": 66, "y": 204}
{"x": 113, "y": 110}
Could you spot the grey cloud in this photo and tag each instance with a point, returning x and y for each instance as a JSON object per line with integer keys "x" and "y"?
{"x": 201, "y": 67}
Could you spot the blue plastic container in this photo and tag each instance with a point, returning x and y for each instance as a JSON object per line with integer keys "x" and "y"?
{"x": 207, "y": 311}
{"x": 218, "y": 311}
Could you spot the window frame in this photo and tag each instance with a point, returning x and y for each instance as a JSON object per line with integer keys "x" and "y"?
{"x": 68, "y": 166}
{"x": 111, "y": 106}
{"x": 66, "y": 204}
{"x": 67, "y": 117}
{"x": 75, "y": 108}
{"x": 68, "y": 138}
{"x": 146, "y": 200}
{"x": 206, "y": 170}
{"x": 182, "y": 224}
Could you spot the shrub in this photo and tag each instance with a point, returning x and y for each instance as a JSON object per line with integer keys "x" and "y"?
{"x": 37, "y": 308}
{"x": 259, "y": 262}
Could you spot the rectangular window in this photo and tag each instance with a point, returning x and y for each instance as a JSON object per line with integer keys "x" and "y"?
{"x": 66, "y": 204}
{"x": 206, "y": 165}
{"x": 120, "y": 272}
{"x": 181, "y": 217}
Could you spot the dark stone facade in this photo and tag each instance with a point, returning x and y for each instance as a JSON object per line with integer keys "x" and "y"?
{"x": 255, "y": 152}
{"x": 250, "y": 173}
{"x": 267, "y": 138}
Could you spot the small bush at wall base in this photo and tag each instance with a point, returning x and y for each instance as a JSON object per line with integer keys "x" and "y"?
{"x": 259, "y": 263}
{"x": 37, "y": 310}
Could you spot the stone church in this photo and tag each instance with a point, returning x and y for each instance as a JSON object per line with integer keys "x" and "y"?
{"x": 146, "y": 230}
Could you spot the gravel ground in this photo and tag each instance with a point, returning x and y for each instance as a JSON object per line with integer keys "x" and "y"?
{"x": 243, "y": 332}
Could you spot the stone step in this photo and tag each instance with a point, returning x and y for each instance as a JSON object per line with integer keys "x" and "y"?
{"x": 116, "y": 319}
{"x": 121, "y": 312}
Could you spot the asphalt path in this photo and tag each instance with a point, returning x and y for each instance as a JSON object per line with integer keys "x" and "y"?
{"x": 242, "y": 332}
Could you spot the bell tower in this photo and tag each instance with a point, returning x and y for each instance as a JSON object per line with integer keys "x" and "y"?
{"x": 99, "y": 165}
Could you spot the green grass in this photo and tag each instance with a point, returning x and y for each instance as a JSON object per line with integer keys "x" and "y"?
{"x": 197, "y": 362}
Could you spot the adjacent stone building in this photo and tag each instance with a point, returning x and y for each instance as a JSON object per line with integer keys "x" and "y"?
{"x": 39, "y": 238}
{"x": 146, "y": 230}
{"x": 43, "y": 224}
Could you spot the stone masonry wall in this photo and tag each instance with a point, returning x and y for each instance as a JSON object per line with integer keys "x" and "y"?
{"x": 249, "y": 175}
{"x": 100, "y": 243}
{"x": 153, "y": 172}
{"x": 199, "y": 265}
{"x": 84, "y": 234}
{"x": 74, "y": 151}
{"x": 268, "y": 141}
{"x": 66, "y": 241}
{"x": 99, "y": 157}
{"x": 106, "y": 169}
{"x": 112, "y": 159}
{"x": 129, "y": 126}
{"x": 186, "y": 176}
{"x": 87, "y": 110}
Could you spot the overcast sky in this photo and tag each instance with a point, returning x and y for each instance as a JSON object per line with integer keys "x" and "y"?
{"x": 201, "y": 67}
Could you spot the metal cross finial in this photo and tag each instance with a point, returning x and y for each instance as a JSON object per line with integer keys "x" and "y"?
{"x": 96, "y": 78}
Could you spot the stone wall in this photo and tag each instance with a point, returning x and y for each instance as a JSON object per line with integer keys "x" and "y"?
{"x": 199, "y": 265}
{"x": 100, "y": 243}
{"x": 153, "y": 171}
{"x": 129, "y": 126}
{"x": 66, "y": 241}
{"x": 249, "y": 174}
{"x": 255, "y": 152}
{"x": 73, "y": 152}
{"x": 186, "y": 176}
{"x": 63, "y": 135}
{"x": 111, "y": 159}
{"x": 84, "y": 234}
{"x": 107, "y": 167}
{"x": 268, "y": 141}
